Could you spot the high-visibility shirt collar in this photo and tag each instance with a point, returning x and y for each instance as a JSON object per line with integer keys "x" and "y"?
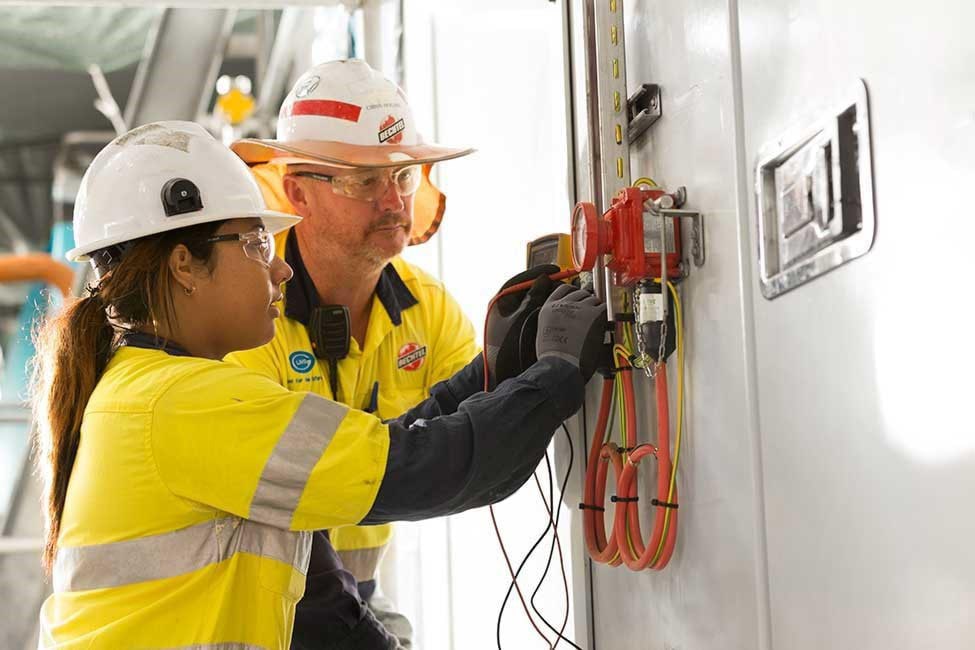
{"x": 149, "y": 342}
{"x": 302, "y": 297}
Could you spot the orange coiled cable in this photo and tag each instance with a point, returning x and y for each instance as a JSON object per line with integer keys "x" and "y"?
{"x": 634, "y": 553}
{"x": 601, "y": 548}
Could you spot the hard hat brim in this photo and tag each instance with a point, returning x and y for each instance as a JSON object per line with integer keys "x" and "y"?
{"x": 341, "y": 154}
{"x": 274, "y": 222}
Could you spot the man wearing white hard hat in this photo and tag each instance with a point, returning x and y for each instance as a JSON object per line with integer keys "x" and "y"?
{"x": 348, "y": 159}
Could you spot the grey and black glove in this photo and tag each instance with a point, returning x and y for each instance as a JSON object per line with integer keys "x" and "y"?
{"x": 572, "y": 326}
{"x": 513, "y": 323}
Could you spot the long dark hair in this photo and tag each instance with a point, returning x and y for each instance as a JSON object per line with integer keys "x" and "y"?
{"x": 76, "y": 343}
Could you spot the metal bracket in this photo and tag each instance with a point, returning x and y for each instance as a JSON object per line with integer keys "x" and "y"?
{"x": 643, "y": 109}
{"x": 697, "y": 232}
{"x": 697, "y": 224}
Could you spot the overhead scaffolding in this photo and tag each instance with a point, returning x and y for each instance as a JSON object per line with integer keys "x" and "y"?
{"x": 183, "y": 56}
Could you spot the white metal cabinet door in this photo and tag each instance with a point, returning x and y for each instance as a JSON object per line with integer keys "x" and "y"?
{"x": 867, "y": 446}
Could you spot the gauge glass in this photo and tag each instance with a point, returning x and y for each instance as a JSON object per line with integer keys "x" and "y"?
{"x": 579, "y": 232}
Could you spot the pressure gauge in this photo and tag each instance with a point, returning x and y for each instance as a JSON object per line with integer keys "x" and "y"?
{"x": 588, "y": 236}
{"x": 627, "y": 236}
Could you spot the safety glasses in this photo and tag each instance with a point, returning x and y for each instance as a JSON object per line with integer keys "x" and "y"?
{"x": 371, "y": 184}
{"x": 258, "y": 244}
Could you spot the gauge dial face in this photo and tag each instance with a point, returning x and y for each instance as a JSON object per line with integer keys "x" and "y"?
{"x": 578, "y": 236}
{"x": 585, "y": 236}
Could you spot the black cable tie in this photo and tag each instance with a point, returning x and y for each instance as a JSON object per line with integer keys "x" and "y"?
{"x": 625, "y": 369}
{"x": 587, "y": 506}
{"x": 616, "y": 499}
{"x": 628, "y": 317}
{"x": 664, "y": 504}
{"x": 607, "y": 373}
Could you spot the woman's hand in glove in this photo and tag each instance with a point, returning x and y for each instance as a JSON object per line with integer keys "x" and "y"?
{"x": 572, "y": 326}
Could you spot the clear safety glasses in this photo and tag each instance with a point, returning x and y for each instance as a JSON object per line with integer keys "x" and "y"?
{"x": 371, "y": 184}
{"x": 258, "y": 244}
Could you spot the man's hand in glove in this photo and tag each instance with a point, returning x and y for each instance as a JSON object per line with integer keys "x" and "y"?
{"x": 572, "y": 326}
{"x": 513, "y": 322}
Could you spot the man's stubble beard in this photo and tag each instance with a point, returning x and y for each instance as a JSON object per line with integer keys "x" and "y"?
{"x": 378, "y": 256}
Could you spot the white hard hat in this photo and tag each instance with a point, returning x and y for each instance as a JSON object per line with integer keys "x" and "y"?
{"x": 160, "y": 177}
{"x": 345, "y": 114}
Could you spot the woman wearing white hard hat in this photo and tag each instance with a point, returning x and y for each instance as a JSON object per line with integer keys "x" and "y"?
{"x": 179, "y": 489}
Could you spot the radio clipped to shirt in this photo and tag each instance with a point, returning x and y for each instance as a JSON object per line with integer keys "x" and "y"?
{"x": 329, "y": 329}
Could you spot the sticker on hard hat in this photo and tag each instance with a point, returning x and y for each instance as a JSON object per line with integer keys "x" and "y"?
{"x": 411, "y": 356}
{"x": 391, "y": 130}
{"x": 324, "y": 108}
{"x": 307, "y": 86}
{"x": 302, "y": 361}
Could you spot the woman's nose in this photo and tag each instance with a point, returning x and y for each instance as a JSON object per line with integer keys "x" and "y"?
{"x": 281, "y": 271}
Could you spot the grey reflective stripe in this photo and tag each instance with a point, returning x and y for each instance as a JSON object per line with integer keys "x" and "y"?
{"x": 298, "y": 450}
{"x": 171, "y": 554}
{"x": 363, "y": 562}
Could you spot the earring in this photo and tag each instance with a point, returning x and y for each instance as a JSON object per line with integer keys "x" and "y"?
{"x": 190, "y": 291}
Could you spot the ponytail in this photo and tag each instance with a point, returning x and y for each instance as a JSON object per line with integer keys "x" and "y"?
{"x": 75, "y": 344}
{"x": 73, "y": 348}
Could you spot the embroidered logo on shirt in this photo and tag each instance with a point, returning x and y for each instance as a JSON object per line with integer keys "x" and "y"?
{"x": 411, "y": 356}
{"x": 302, "y": 361}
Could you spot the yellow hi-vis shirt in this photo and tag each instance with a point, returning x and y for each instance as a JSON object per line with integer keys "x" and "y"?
{"x": 185, "y": 511}
{"x": 417, "y": 336}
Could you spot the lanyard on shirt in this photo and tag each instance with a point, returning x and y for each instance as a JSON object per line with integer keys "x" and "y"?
{"x": 373, "y": 404}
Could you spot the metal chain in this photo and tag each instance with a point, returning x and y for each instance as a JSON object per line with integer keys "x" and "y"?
{"x": 643, "y": 359}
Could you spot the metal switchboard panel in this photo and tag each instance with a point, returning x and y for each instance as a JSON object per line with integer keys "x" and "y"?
{"x": 710, "y": 596}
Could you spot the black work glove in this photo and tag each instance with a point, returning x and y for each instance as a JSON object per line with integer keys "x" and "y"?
{"x": 513, "y": 322}
{"x": 572, "y": 326}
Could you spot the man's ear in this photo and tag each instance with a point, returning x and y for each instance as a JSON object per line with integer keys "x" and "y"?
{"x": 295, "y": 193}
{"x": 181, "y": 265}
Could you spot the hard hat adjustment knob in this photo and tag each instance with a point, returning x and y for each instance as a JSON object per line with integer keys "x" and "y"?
{"x": 180, "y": 196}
